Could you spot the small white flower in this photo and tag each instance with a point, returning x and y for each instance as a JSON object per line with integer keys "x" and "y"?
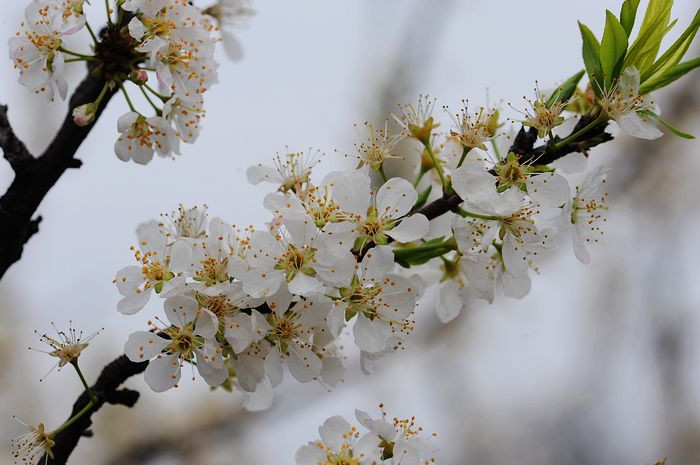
{"x": 291, "y": 172}
{"x": 417, "y": 121}
{"x": 158, "y": 265}
{"x": 230, "y": 15}
{"x": 381, "y": 300}
{"x": 623, "y": 103}
{"x": 473, "y": 129}
{"x": 66, "y": 347}
{"x": 585, "y": 212}
{"x": 36, "y": 52}
{"x": 541, "y": 116}
{"x": 186, "y": 115}
{"x": 408, "y": 446}
{"x": 297, "y": 253}
{"x": 191, "y": 338}
{"x": 140, "y": 136}
{"x": 29, "y": 448}
{"x": 375, "y": 218}
{"x": 340, "y": 443}
{"x": 376, "y": 148}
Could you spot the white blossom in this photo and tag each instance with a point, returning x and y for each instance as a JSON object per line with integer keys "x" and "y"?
{"x": 585, "y": 212}
{"x": 340, "y": 443}
{"x": 140, "y": 137}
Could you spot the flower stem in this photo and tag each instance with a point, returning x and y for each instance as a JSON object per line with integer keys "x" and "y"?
{"x": 109, "y": 12}
{"x": 126, "y": 96}
{"x": 601, "y": 118}
{"x": 499, "y": 157}
{"x": 75, "y": 54}
{"x": 465, "y": 151}
{"x": 159, "y": 112}
{"x": 438, "y": 168}
{"x": 73, "y": 419}
{"x": 421, "y": 173}
{"x": 93, "y": 398}
{"x": 466, "y": 213}
{"x": 381, "y": 171}
{"x": 156, "y": 93}
{"x": 92, "y": 33}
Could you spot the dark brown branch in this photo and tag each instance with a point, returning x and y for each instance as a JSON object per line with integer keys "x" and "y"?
{"x": 107, "y": 390}
{"x": 34, "y": 177}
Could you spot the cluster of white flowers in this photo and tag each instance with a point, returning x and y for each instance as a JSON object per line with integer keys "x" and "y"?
{"x": 395, "y": 442}
{"x": 173, "y": 39}
{"x": 242, "y": 303}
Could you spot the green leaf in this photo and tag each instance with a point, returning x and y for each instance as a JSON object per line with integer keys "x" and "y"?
{"x": 628, "y": 13}
{"x": 424, "y": 253}
{"x": 677, "y": 132}
{"x": 675, "y": 52}
{"x": 422, "y": 198}
{"x": 612, "y": 48}
{"x": 671, "y": 75}
{"x": 566, "y": 89}
{"x": 591, "y": 58}
{"x": 654, "y": 27}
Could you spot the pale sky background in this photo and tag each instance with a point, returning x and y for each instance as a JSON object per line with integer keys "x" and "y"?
{"x": 311, "y": 69}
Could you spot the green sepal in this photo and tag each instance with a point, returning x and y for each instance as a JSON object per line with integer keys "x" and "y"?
{"x": 675, "y": 131}
{"x": 422, "y": 198}
{"x": 425, "y": 252}
{"x": 628, "y": 13}
{"x": 566, "y": 90}
{"x": 612, "y": 48}
{"x": 591, "y": 58}
{"x": 671, "y": 75}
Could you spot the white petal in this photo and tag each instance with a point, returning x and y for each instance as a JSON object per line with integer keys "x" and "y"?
{"x": 180, "y": 310}
{"x": 180, "y": 255}
{"x": 207, "y": 324}
{"x": 310, "y": 454}
{"x": 514, "y": 255}
{"x": 210, "y": 365}
{"x": 303, "y": 364}
{"x": 377, "y": 262}
{"x": 450, "y": 302}
{"x": 396, "y": 198}
{"x": 333, "y": 432}
{"x": 516, "y": 286}
{"x": 163, "y": 372}
{"x": 370, "y": 336}
{"x": 303, "y": 284}
{"x": 548, "y": 189}
{"x": 143, "y": 346}
{"x": 273, "y": 368}
{"x": 572, "y": 163}
{"x": 238, "y": 331}
{"x": 280, "y": 301}
{"x": 351, "y": 191}
{"x": 133, "y": 303}
{"x": 332, "y": 371}
{"x": 638, "y": 126}
{"x": 410, "y": 229}
{"x": 128, "y": 279}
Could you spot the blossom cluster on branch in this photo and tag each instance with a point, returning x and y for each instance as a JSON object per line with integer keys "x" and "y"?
{"x": 344, "y": 253}
{"x": 171, "y": 39}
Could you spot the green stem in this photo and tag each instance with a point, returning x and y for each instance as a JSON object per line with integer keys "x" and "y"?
{"x": 126, "y": 95}
{"x": 92, "y": 33}
{"x": 109, "y": 15}
{"x": 381, "y": 171}
{"x": 421, "y": 173}
{"x": 438, "y": 168}
{"x": 75, "y": 54}
{"x": 496, "y": 151}
{"x": 73, "y": 419}
{"x": 466, "y": 213}
{"x": 93, "y": 398}
{"x": 159, "y": 112}
{"x": 73, "y": 60}
{"x": 465, "y": 151}
{"x": 601, "y": 118}
{"x": 156, "y": 93}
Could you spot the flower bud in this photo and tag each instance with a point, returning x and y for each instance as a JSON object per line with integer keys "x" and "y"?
{"x": 84, "y": 114}
{"x": 139, "y": 76}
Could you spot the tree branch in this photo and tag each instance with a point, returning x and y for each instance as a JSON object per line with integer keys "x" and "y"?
{"x": 34, "y": 177}
{"x": 106, "y": 389}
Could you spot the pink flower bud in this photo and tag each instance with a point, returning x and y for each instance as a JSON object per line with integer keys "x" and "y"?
{"x": 84, "y": 114}
{"x": 139, "y": 76}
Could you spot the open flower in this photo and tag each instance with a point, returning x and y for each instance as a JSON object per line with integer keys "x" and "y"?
{"x": 29, "y": 448}
{"x": 158, "y": 265}
{"x": 36, "y": 52}
{"x": 67, "y": 346}
{"x": 190, "y": 338}
{"x": 542, "y": 114}
{"x": 381, "y": 300}
{"x": 291, "y": 172}
{"x": 623, "y": 104}
{"x": 340, "y": 443}
{"x": 586, "y": 212}
{"x": 140, "y": 136}
{"x": 230, "y": 14}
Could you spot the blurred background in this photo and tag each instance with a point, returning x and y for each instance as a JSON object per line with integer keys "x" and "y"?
{"x": 600, "y": 364}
